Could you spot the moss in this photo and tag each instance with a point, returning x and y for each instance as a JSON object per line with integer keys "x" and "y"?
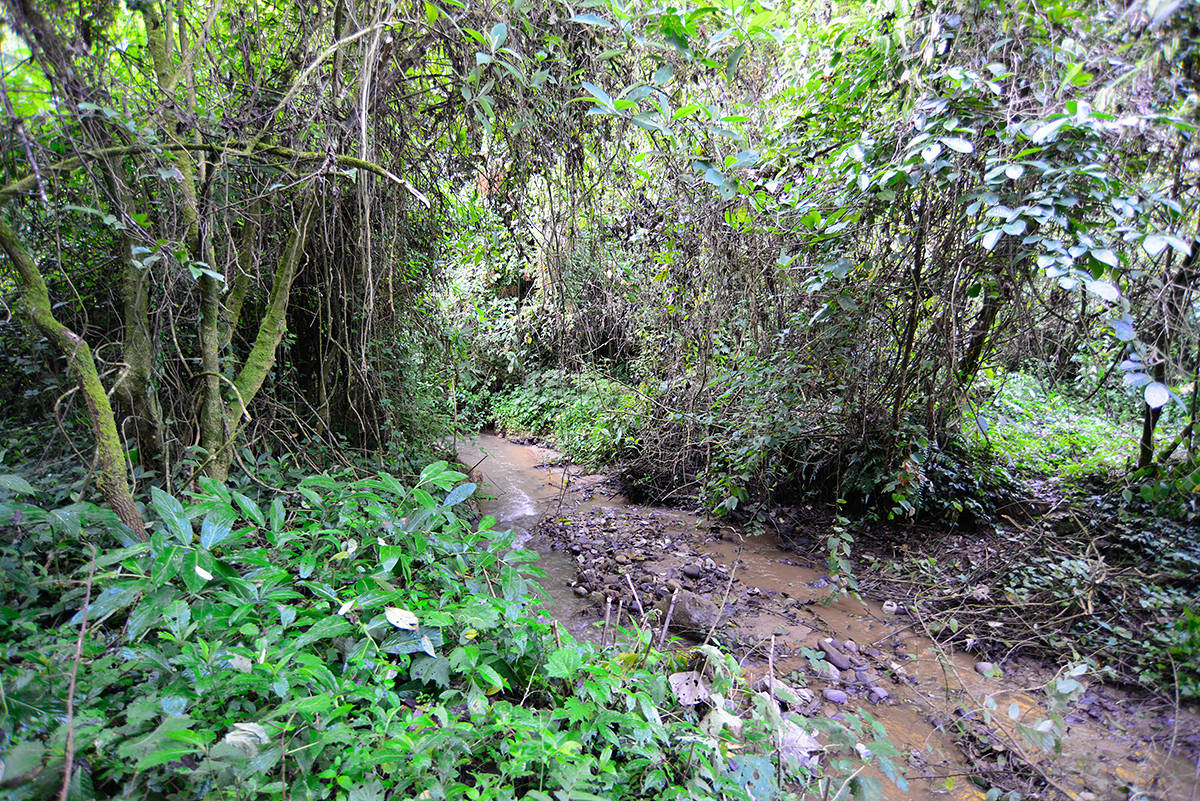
{"x": 113, "y": 477}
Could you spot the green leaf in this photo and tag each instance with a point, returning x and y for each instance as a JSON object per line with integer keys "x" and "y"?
{"x": 332, "y": 626}
{"x": 432, "y": 669}
{"x": 747, "y": 158}
{"x": 591, "y": 19}
{"x": 250, "y": 508}
{"x": 564, "y": 663}
{"x": 276, "y": 515}
{"x": 991, "y": 238}
{"x": 663, "y": 75}
{"x": 1047, "y": 131}
{"x": 216, "y": 528}
{"x": 109, "y": 601}
{"x": 371, "y": 791}
{"x": 735, "y": 58}
{"x": 599, "y": 94}
{"x": 15, "y": 483}
{"x": 958, "y": 144}
{"x": 171, "y": 513}
{"x": 459, "y": 494}
{"x": 498, "y": 36}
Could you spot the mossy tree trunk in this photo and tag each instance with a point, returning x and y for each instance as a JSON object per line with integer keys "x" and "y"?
{"x": 112, "y": 473}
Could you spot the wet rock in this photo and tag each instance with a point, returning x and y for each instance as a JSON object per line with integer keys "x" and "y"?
{"x": 694, "y": 614}
{"x": 834, "y": 696}
{"x": 877, "y": 694}
{"x": 834, "y": 655}
{"x": 986, "y": 669}
{"x": 692, "y": 571}
{"x": 580, "y": 590}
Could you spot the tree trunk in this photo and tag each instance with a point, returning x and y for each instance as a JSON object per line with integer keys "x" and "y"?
{"x": 112, "y": 474}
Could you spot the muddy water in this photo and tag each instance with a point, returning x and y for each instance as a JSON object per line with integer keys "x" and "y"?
{"x": 522, "y": 484}
{"x": 783, "y": 609}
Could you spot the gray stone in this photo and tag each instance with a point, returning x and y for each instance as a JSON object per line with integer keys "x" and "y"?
{"x": 692, "y": 571}
{"x": 850, "y": 647}
{"x": 581, "y": 590}
{"x": 985, "y": 669}
{"x": 622, "y": 559}
{"x": 834, "y": 655}
{"x": 694, "y": 614}
{"x": 834, "y": 696}
{"x": 877, "y": 694}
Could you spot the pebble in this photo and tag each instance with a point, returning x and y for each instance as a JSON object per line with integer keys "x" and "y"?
{"x": 581, "y": 590}
{"x": 692, "y": 571}
{"x": 878, "y": 694}
{"x": 832, "y": 673}
{"x": 862, "y": 676}
{"x": 850, "y": 647}
{"x": 834, "y": 656}
{"x": 890, "y": 607}
{"x": 834, "y": 696}
{"x": 985, "y": 668}
{"x": 622, "y": 559}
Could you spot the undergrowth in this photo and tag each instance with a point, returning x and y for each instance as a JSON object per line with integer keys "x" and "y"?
{"x": 592, "y": 418}
{"x": 1037, "y": 428}
{"x": 355, "y": 640}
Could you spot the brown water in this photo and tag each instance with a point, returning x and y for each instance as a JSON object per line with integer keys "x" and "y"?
{"x": 929, "y": 687}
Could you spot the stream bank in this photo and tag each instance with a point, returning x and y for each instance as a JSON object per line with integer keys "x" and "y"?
{"x": 956, "y": 720}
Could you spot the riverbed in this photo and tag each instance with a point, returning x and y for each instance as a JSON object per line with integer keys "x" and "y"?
{"x": 954, "y": 721}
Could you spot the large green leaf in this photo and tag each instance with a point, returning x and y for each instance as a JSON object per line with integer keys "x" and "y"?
{"x": 171, "y": 513}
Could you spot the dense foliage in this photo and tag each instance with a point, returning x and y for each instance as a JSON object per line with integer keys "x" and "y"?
{"x": 355, "y": 640}
{"x": 909, "y": 263}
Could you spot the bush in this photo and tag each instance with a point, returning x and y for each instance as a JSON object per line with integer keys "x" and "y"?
{"x": 592, "y": 418}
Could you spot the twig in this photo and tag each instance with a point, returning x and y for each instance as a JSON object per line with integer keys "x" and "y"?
{"x": 617, "y": 624}
{"x": 1011, "y": 741}
{"x": 662, "y": 638}
{"x": 777, "y": 736}
{"x": 69, "y": 756}
{"x": 637, "y": 599}
{"x": 607, "y": 615}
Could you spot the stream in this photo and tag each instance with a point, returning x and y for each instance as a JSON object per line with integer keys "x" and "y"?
{"x": 934, "y": 704}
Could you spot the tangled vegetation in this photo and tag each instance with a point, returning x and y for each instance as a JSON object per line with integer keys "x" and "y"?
{"x": 917, "y": 265}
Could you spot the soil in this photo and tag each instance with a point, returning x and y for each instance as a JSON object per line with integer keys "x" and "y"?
{"x": 956, "y": 718}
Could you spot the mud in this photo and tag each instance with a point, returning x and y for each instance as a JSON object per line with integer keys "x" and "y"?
{"x": 959, "y": 732}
